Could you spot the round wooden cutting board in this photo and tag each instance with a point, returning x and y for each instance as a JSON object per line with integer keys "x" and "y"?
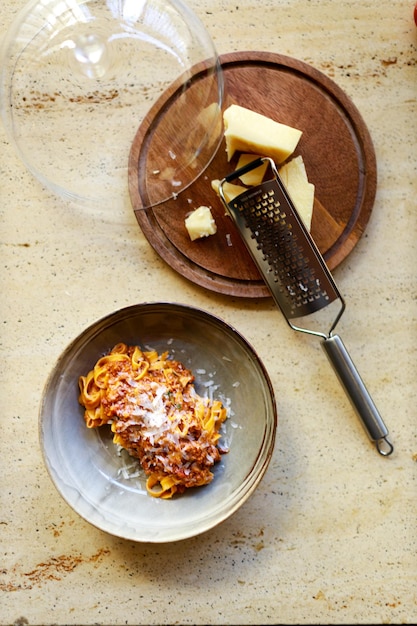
{"x": 338, "y": 154}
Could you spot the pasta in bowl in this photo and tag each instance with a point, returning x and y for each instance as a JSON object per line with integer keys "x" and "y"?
{"x": 157, "y": 422}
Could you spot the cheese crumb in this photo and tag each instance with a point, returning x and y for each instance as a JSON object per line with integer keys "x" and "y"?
{"x": 200, "y": 223}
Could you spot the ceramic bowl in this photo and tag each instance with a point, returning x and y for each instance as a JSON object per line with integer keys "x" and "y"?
{"x": 105, "y": 487}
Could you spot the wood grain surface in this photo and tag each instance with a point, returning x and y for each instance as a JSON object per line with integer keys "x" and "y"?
{"x": 336, "y": 147}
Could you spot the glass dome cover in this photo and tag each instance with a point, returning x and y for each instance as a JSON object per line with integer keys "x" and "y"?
{"x": 85, "y": 80}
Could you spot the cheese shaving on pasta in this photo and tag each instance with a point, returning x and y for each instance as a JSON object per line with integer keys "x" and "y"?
{"x": 156, "y": 414}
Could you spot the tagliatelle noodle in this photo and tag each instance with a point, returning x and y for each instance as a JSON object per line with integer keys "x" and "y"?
{"x": 155, "y": 413}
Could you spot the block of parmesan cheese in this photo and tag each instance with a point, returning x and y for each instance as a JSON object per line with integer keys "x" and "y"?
{"x": 200, "y": 223}
{"x": 248, "y": 131}
{"x": 294, "y": 176}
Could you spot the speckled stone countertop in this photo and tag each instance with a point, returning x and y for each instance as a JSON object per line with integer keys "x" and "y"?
{"x": 330, "y": 534}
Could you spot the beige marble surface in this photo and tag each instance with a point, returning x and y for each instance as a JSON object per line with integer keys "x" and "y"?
{"x": 330, "y": 535}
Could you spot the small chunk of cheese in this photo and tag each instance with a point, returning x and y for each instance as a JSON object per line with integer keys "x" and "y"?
{"x": 200, "y": 223}
{"x": 253, "y": 177}
{"x": 294, "y": 176}
{"x": 230, "y": 190}
{"x": 210, "y": 118}
{"x": 248, "y": 131}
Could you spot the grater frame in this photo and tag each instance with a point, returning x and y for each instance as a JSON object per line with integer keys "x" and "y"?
{"x": 298, "y": 279}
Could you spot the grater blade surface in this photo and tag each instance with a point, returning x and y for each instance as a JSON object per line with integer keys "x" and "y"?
{"x": 282, "y": 248}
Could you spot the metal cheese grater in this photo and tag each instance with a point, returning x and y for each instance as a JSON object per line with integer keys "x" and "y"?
{"x": 299, "y": 280}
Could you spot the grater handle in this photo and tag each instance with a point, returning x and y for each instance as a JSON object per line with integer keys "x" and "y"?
{"x": 357, "y": 393}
